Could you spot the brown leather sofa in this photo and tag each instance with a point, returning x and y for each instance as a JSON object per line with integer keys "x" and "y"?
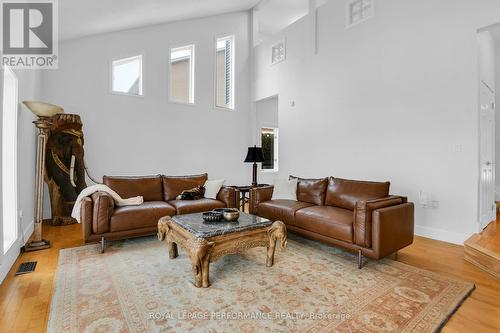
{"x": 356, "y": 215}
{"x": 102, "y": 220}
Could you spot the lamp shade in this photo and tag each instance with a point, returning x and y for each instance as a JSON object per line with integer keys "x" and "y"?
{"x": 42, "y": 109}
{"x": 254, "y": 155}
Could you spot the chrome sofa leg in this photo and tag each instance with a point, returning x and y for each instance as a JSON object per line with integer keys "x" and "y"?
{"x": 360, "y": 259}
{"x": 103, "y": 244}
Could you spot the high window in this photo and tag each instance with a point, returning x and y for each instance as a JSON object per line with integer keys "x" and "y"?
{"x": 269, "y": 140}
{"x": 224, "y": 72}
{"x": 127, "y": 76}
{"x": 359, "y": 11}
{"x": 182, "y": 74}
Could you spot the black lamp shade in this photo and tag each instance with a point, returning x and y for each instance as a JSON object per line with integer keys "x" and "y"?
{"x": 254, "y": 155}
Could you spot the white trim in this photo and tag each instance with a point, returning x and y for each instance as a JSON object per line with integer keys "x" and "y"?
{"x": 441, "y": 235}
{"x": 9, "y": 259}
{"x": 192, "y": 75}
{"x": 11, "y": 256}
{"x": 275, "y": 130}
{"x": 232, "y": 107}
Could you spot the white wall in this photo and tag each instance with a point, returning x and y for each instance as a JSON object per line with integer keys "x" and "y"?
{"x": 388, "y": 99}
{"x": 148, "y": 135}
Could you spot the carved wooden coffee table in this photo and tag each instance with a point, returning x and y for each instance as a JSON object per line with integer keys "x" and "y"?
{"x": 206, "y": 242}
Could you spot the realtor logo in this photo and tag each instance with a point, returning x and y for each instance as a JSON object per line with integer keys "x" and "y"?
{"x": 29, "y": 34}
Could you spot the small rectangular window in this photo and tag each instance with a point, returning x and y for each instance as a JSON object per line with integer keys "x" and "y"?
{"x": 225, "y": 72}
{"x": 182, "y": 74}
{"x": 359, "y": 11}
{"x": 269, "y": 140}
{"x": 127, "y": 76}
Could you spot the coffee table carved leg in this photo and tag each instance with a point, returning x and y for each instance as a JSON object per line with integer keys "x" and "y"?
{"x": 277, "y": 231}
{"x": 172, "y": 249}
{"x": 163, "y": 227}
{"x": 199, "y": 252}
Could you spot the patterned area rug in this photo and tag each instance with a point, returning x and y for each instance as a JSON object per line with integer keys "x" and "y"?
{"x": 135, "y": 287}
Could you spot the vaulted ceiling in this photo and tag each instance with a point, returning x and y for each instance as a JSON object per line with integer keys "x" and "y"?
{"x": 79, "y": 18}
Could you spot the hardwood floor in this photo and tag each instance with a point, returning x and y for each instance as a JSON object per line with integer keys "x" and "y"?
{"x": 25, "y": 300}
{"x": 483, "y": 249}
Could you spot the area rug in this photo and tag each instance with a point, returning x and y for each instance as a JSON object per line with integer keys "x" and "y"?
{"x": 135, "y": 287}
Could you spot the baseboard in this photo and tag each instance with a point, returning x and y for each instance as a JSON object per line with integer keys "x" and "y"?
{"x": 440, "y": 234}
{"x": 28, "y": 231}
{"x": 11, "y": 256}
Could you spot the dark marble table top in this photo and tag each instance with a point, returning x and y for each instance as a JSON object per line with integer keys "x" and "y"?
{"x": 194, "y": 224}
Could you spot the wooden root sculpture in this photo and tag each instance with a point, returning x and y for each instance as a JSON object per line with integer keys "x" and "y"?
{"x": 64, "y": 165}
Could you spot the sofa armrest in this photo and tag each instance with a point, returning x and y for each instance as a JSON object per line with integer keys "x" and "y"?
{"x": 363, "y": 211}
{"x": 229, "y": 196}
{"x": 393, "y": 229}
{"x": 86, "y": 217}
{"x": 104, "y": 206}
{"x": 259, "y": 195}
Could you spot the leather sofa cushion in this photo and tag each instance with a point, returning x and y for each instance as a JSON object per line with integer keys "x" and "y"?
{"x": 149, "y": 187}
{"x": 135, "y": 217}
{"x": 328, "y": 221}
{"x": 311, "y": 190}
{"x": 345, "y": 193}
{"x": 281, "y": 210}
{"x": 196, "y": 206}
{"x": 174, "y": 185}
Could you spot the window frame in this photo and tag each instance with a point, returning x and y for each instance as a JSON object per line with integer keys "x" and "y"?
{"x": 140, "y": 56}
{"x": 276, "y": 147}
{"x": 192, "y": 75}
{"x": 232, "y": 107}
{"x": 348, "y": 12}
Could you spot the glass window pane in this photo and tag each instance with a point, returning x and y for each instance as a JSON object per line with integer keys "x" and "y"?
{"x": 225, "y": 72}
{"x": 127, "y": 76}
{"x": 267, "y": 137}
{"x": 182, "y": 74}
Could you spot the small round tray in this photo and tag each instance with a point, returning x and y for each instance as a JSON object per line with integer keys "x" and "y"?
{"x": 212, "y": 216}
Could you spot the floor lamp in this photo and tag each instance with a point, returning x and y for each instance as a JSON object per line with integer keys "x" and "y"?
{"x": 43, "y": 111}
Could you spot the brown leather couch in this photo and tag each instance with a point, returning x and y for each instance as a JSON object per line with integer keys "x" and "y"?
{"x": 355, "y": 215}
{"x": 102, "y": 220}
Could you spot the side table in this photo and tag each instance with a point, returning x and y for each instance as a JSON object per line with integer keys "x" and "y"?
{"x": 245, "y": 195}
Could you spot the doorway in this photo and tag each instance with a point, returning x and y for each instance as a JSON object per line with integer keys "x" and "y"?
{"x": 9, "y": 160}
{"x": 268, "y": 138}
{"x": 489, "y": 123}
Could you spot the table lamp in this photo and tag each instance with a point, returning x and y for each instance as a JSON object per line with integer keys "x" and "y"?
{"x": 254, "y": 155}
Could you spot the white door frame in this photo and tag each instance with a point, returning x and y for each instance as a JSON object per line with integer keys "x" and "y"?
{"x": 9, "y": 257}
{"x": 486, "y": 166}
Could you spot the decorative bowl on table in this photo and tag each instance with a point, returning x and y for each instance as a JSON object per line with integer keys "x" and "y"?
{"x": 212, "y": 216}
{"x": 231, "y": 214}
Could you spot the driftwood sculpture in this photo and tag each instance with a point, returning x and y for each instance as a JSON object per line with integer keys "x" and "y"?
{"x": 65, "y": 167}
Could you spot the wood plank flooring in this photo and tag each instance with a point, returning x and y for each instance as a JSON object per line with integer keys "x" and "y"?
{"x": 25, "y": 300}
{"x": 483, "y": 249}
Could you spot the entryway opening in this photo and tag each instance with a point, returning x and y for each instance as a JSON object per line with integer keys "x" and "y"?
{"x": 9, "y": 159}
{"x": 268, "y": 138}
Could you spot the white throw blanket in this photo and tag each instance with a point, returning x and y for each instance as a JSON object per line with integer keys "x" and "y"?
{"x": 119, "y": 201}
